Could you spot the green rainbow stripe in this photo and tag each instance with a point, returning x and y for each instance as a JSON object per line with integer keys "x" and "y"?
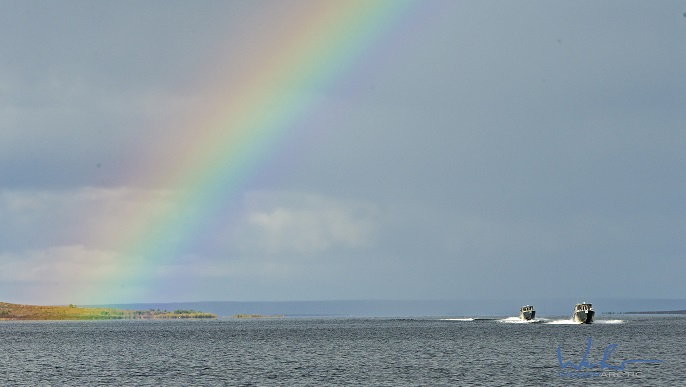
{"x": 255, "y": 118}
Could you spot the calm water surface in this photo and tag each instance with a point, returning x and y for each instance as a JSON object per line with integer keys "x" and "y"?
{"x": 337, "y": 352}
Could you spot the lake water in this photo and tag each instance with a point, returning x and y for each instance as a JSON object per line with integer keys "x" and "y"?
{"x": 328, "y": 351}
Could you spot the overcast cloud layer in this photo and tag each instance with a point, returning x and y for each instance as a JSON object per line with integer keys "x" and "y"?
{"x": 479, "y": 150}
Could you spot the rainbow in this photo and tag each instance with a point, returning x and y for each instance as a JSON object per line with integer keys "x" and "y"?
{"x": 248, "y": 125}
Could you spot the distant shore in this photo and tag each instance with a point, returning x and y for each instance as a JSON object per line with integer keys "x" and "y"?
{"x": 72, "y": 312}
{"x": 240, "y": 315}
{"x": 660, "y": 312}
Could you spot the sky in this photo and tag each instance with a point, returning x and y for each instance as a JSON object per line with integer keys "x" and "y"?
{"x": 165, "y": 151}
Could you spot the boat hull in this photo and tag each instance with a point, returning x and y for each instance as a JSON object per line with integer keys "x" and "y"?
{"x": 527, "y": 315}
{"x": 584, "y": 316}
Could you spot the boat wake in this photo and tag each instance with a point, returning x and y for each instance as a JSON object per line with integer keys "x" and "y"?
{"x": 468, "y": 319}
{"x": 572, "y": 322}
{"x": 517, "y": 320}
{"x": 567, "y": 321}
{"x": 609, "y": 322}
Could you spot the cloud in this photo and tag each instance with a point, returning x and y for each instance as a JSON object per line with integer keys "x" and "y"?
{"x": 455, "y": 150}
{"x": 306, "y": 224}
{"x": 57, "y": 274}
{"x": 64, "y": 264}
{"x": 87, "y": 216}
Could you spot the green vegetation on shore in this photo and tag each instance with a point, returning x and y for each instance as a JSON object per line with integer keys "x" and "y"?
{"x": 72, "y": 312}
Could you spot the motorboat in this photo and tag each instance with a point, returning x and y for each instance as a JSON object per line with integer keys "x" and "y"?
{"x": 527, "y": 312}
{"x": 583, "y": 313}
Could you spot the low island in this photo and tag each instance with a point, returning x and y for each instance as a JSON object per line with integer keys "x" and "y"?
{"x": 241, "y": 315}
{"x": 660, "y": 312}
{"x": 72, "y": 312}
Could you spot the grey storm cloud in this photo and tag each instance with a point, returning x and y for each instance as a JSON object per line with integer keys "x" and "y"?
{"x": 480, "y": 141}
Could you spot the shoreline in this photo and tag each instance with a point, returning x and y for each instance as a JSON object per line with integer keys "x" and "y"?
{"x": 22, "y": 312}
